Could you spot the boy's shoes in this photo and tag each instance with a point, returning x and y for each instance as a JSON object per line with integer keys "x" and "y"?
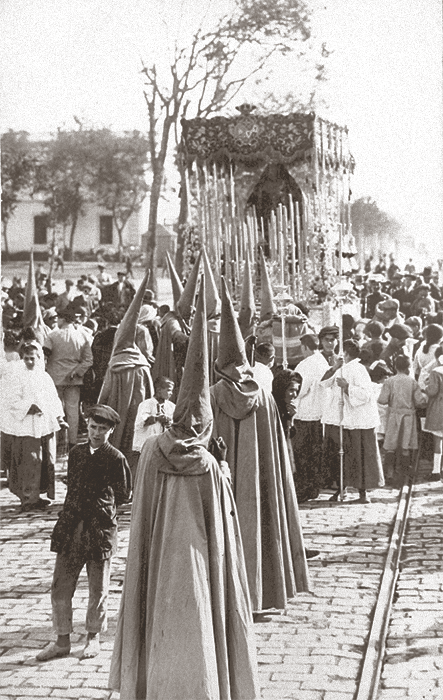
{"x": 53, "y": 652}
{"x": 311, "y": 553}
{"x": 92, "y": 648}
{"x": 42, "y": 503}
{"x": 435, "y": 477}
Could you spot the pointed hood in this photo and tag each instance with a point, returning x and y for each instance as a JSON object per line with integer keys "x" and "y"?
{"x": 177, "y": 287}
{"x": 213, "y": 303}
{"x": 193, "y": 411}
{"x": 246, "y": 317}
{"x": 267, "y": 306}
{"x": 186, "y": 301}
{"x": 126, "y": 332}
{"x": 32, "y": 314}
{"x": 231, "y": 344}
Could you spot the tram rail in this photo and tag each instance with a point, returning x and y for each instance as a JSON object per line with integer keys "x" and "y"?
{"x": 375, "y": 650}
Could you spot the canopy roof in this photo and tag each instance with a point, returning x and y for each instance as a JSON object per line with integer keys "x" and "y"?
{"x": 275, "y": 138}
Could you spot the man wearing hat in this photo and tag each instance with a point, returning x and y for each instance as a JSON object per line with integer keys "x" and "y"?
{"x": 374, "y": 297}
{"x": 388, "y": 312}
{"x": 404, "y": 294}
{"x": 328, "y": 338}
{"x": 66, "y": 297}
{"x": 50, "y": 318}
{"x": 99, "y": 480}
{"x": 427, "y": 275}
{"x": 398, "y": 345}
{"x": 103, "y": 278}
{"x": 121, "y": 292}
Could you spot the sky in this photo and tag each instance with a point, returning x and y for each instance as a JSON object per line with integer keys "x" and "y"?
{"x": 83, "y": 57}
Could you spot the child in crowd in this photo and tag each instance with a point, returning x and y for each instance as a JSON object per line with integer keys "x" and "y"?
{"x": 154, "y": 415}
{"x": 434, "y": 412}
{"x": 402, "y": 395}
{"x": 379, "y": 372}
{"x": 375, "y": 344}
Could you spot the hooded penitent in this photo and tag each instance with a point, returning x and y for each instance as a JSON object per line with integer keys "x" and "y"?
{"x": 246, "y": 316}
{"x": 186, "y": 302}
{"x": 213, "y": 303}
{"x": 128, "y": 379}
{"x": 177, "y": 287}
{"x": 247, "y": 419}
{"x": 185, "y": 623}
{"x": 267, "y": 306}
{"x": 32, "y": 314}
{"x": 232, "y": 347}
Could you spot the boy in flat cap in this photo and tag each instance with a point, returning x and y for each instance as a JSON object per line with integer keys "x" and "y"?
{"x": 99, "y": 480}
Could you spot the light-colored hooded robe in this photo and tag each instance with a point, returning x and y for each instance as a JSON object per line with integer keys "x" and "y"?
{"x": 185, "y": 627}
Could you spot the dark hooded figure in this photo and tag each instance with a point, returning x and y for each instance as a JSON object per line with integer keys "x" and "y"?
{"x": 185, "y": 627}
{"x": 174, "y": 333}
{"x": 128, "y": 379}
{"x": 246, "y": 417}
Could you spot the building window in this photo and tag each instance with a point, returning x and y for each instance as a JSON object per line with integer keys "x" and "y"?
{"x": 40, "y": 229}
{"x": 106, "y": 230}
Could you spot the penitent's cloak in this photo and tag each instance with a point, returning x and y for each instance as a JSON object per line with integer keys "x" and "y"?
{"x": 247, "y": 419}
{"x": 185, "y": 628}
{"x": 128, "y": 379}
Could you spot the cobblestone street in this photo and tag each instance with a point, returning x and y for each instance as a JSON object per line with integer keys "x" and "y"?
{"x": 313, "y": 651}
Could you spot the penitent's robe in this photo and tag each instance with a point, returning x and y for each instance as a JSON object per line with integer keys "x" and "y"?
{"x": 263, "y": 486}
{"x": 127, "y": 383}
{"x": 185, "y": 628}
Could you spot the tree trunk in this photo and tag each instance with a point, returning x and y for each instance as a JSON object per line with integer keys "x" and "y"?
{"x": 120, "y": 244}
{"x": 151, "y": 247}
{"x": 182, "y": 219}
{"x": 5, "y": 238}
{"x": 70, "y": 255}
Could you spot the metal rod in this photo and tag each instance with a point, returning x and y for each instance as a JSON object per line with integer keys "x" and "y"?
{"x": 342, "y": 393}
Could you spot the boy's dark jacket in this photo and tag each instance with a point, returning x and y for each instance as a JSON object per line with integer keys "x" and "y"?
{"x": 97, "y": 484}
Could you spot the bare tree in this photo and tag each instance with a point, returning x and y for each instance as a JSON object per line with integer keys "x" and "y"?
{"x": 201, "y": 75}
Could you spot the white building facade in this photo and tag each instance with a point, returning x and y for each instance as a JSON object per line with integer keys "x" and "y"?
{"x": 29, "y": 228}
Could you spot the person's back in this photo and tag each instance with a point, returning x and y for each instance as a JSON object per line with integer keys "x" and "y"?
{"x": 402, "y": 395}
{"x": 69, "y": 346}
{"x": 401, "y": 388}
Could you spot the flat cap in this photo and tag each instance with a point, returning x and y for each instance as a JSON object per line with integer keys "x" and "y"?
{"x": 329, "y": 330}
{"x": 100, "y": 410}
{"x": 400, "y": 331}
{"x": 388, "y": 304}
{"x": 49, "y": 313}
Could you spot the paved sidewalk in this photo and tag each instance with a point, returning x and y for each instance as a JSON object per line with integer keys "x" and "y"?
{"x": 311, "y": 652}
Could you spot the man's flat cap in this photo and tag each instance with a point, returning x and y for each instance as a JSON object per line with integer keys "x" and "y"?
{"x": 329, "y": 330}
{"x": 389, "y": 304}
{"x": 400, "y": 331}
{"x": 100, "y": 410}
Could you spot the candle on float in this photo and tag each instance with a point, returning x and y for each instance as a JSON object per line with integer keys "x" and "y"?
{"x": 295, "y": 285}
{"x": 281, "y": 243}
